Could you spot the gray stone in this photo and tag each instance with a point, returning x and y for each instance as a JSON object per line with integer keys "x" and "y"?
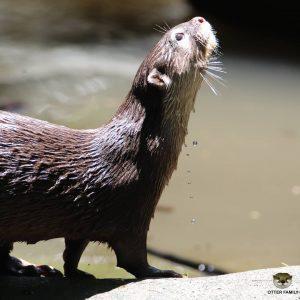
{"x": 256, "y": 284}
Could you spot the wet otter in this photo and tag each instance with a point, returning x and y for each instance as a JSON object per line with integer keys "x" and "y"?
{"x": 102, "y": 184}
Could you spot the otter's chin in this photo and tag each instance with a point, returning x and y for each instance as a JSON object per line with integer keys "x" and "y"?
{"x": 210, "y": 39}
{"x": 211, "y": 45}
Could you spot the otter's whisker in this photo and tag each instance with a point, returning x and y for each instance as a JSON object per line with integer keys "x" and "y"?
{"x": 217, "y": 78}
{"x": 215, "y": 59}
{"x": 160, "y": 31}
{"x": 167, "y": 25}
{"x": 217, "y": 51}
{"x": 215, "y": 75}
{"x": 215, "y": 69}
{"x": 215, "y": 64}
{"x": 209, "y": 84}
{"x": 161, "y": 28}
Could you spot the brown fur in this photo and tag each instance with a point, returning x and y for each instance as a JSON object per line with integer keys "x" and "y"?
{"x": 102, "y": 184}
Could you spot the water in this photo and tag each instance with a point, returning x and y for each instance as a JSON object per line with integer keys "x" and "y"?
{"x": 234, "y": 201}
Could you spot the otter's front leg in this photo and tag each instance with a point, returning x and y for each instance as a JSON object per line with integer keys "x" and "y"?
{"x": 131, "y": 255}
{"x": 71, "y": 256}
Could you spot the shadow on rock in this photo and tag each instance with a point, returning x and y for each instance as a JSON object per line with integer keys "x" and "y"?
{"x": 55, "y": 288}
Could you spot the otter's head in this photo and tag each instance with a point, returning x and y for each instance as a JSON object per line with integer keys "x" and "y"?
{"x": 179, "y": 57}
{"x": 282, "y": 280}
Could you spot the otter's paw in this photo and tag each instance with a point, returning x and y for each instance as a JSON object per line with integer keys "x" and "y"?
{"x": 19, "y": 267}
{"x": 151, "y": 272}
{"x": 79, "y": 274}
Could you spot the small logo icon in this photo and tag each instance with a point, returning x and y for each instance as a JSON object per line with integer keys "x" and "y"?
{"x": 282, "y": 280}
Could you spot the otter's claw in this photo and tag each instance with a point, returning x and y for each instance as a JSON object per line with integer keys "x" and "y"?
{"x": 18, "y": 267}
{"x": 48, "y": 271}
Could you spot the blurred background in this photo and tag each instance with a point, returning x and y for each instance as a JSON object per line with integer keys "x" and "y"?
{"x": 234, "y": 200}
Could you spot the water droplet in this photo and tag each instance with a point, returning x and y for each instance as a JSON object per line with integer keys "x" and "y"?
{"x": 195, "y": 143}
{"x": 193, "y": 221}
{"x": 201, "y": 267}
{"x": 296, "y": 190}
{"x": 254, "y": 214}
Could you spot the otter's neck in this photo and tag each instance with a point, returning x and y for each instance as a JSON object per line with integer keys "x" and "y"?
{"x": 162, "y": 120}
{"x": 144, "y": 139}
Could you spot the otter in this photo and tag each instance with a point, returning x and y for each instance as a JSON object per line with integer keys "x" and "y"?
{"x": 102, "y": 185}
{"x": 282, "y": 280}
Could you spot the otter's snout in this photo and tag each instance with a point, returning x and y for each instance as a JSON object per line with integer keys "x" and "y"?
{"x": 205, "y": 33}
{"x": 200, "y": 19}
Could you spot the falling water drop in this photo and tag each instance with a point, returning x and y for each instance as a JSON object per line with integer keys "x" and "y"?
{"x": 201, "y": 267}
{"x": 295, "y": 190}
{"x": 254, "y": 215}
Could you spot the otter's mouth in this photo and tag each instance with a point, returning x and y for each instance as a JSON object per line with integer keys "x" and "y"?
{"x": 205, "y": 38}
{"x": 207, "y": 59}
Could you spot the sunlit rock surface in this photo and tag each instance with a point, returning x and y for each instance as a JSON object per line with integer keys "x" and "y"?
{"x": 256, "y": 284}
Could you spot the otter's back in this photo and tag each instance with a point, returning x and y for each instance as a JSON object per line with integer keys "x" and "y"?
{"x": 40, "y": 165}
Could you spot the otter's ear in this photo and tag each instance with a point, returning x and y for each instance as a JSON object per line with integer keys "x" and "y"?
{"x": 158, "y": 79}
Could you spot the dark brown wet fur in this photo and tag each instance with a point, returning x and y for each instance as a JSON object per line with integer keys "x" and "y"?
{"x": 94, "y": 185}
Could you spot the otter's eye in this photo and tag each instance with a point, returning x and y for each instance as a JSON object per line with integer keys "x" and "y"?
{"x": 179, "y": 36}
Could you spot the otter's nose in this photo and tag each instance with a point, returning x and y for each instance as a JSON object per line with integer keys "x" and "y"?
{"x": 201, "y": 20}
{"x": 198, "y": 20}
